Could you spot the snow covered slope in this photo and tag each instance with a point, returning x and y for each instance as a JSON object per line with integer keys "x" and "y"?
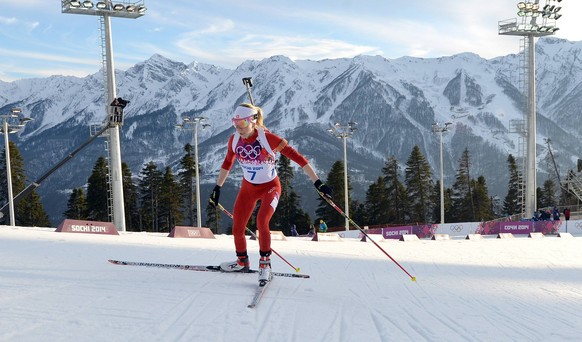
{"x": 60, "y": 287}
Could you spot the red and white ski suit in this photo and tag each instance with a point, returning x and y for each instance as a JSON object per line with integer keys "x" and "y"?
{"x": 260, "y": 182}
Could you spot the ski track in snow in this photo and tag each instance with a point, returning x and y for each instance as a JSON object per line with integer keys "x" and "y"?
{"x": 60, "y": 287}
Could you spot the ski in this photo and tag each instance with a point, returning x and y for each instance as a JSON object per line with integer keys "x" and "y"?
{"x": 259, "y": 294}
{"x": 200, "y": 268}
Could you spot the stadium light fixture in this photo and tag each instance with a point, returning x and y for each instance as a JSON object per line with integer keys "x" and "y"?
{"x": 532, "y": 23}
{"x": 438, "y": 128}
{"x": 12, "y": 123}
{"x": 344, "y": 132}
{"x": 192, "y": 123}
{"x": 119, "y": 10}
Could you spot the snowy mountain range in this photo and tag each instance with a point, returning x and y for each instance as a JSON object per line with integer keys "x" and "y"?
{"x": 394, "y": 101}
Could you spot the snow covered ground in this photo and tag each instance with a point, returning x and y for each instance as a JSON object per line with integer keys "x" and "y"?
{"x": 60, "y": 287}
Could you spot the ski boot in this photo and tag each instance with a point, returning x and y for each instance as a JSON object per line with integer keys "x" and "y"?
{"x": 265, "y": 274}
{"x": 241, "y": 264}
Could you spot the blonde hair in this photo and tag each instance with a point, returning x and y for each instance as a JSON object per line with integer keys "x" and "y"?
{"x": 260, "y": 117}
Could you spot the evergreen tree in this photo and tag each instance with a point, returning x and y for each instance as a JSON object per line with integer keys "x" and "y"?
{"x": 482, "y": 201}
{"x": 187, "y": 176}
{"x": 464, "y": 208}
{"x": 376, "y": 206}
{"x": 436, "y": 199}
{"x": 170, "y": 202}
{"x": 97, "y": 199}
{"x": 303, "y": 223}
{"x": 149, "y": 195}
{"x": 335, "y": 180}
{"x": 547, "y": 196}
{"x": 130, "y": 199}
{"x": 77, "y": 205}
{"x": 358, "y": 213}
{"x": 29, "y": 210}
{"x": 418, "y": 180}
{"x": 213, "y": 218}
{"x": 449, "y": 211}
{"x": 288, "y": 210}
{"x": 511, "y": 203}
{"x": 17, "y": 173}
{"x": 396, "y": 193}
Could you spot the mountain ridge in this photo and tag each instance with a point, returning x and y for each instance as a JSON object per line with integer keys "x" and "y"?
{"x": 394, "y": 102}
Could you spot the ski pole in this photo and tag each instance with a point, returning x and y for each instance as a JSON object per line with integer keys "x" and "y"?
{"x": 330, "y": 202}
{"x": 248, "y": 82}
{"x": 297, "y": 269}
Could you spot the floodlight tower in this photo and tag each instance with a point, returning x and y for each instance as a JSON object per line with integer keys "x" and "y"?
{"x": 106, "y": 10}
{"x": 12, "y": 123}
{"x": 344, "y": 132}
{"x": 438, "y": 128}
{"x": 535, "y": 21}
{"x": 192, "y": 123}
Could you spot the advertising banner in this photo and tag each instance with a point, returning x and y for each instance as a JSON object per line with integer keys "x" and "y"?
{"x": 396, "y": 232}
{"x": 87, "y": 227}
{"x": 524, "y": 227}
{"x": 191, "y": 232}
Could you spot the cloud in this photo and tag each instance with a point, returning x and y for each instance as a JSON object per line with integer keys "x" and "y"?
{"x": 216, "y": 27}
{"x": 234, "y": 52}
{"x": 8, "y": 21}
{"x": 13, "y": 22}
{"x": 47, "y": 57}
{"x": 33, "y": 25}
{"x": 223, "y": 42}
{"x": 26, "y": 3}
{"x": 11, "y": 73}
{"x": 299, "y": 47}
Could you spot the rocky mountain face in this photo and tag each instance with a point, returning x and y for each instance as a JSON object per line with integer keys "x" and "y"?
{"x": 395, "y": 102}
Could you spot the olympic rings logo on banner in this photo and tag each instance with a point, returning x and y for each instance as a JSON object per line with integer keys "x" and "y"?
{"x": 249, "y": 151}
{"x": 456, "y": 228}
{"x": 578, "y": 225}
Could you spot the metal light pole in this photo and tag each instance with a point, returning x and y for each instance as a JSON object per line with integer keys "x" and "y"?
{"x": 529, "y": 28}
{"x": 11, "y": 126}
{"x": 437, "y": 128}
{"x": 344, "y": 132}
{"x": 191, "y": 123}
{"x": 106, "y": 10}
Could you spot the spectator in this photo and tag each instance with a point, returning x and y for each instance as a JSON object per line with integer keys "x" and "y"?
{"x": 548, "y": 215}
{"x": 322, "y": 226}
{"x": 311, "y": 230}
{"x": 293, "y": 230}
{"x": 556, "y": 214}
{"x": 567, "y": 214}
{"x": 537, "y": 215}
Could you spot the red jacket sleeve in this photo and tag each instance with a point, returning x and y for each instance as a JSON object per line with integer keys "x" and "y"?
{"x": 279, "y": 144}
{"x": 229, "y": 159}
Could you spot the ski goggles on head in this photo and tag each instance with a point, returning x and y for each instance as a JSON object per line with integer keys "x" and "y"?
{"x": 243, "y": 116}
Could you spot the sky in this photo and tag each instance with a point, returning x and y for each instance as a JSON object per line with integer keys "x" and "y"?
{"x": 60, "y": 287}
{"x": 37, "y": 40}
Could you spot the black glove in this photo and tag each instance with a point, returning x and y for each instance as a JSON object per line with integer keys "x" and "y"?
{"x": 326, "y": 190}
{"x": 215, "y": 195}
